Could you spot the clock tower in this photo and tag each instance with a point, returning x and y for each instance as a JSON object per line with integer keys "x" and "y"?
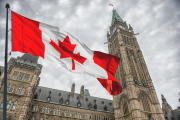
{"x": 138, "y": 100}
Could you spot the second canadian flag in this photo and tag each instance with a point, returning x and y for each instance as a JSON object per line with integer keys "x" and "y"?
{"x": 59, "y": 46}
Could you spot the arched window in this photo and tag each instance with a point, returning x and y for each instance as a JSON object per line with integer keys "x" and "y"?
{"x": 59, "y": 112}
{"x": 20, "y": 77}
{"x": 54, "y": 111}
{"x": 26, "y": 78}
{"x": 29, "y": 118}
{"x": 14, "y": 105}
{"x": 18, "y": 90}
{"x": 67, "y": 102}
{"x": 125, "y": 108}
{"x": 46, "y": 119}
{"x": 145, "y": 103}
{"x": 22, "y": 91}
{"x": 8, "y": 88}
{"x": 11, "y": 89}
{"x": 1, "y": 106}
{"x": 48, "y": 110}
{"x": 34, "y": 108}
{"x": 41, "y": 118}
{"x": 43, "y": 109}
{"x": 9, "y": 104}
{"x": 61, "y": 101}
{"x": 65, "y": 113}
{"x": 33, "y": 118}
{"x": 48, "y": 99}
{"x": 79, "y": 104}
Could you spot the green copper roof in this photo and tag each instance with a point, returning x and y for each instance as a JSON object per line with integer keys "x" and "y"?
{"x": 115, "y": 15}
{"x": 86, "y": 92}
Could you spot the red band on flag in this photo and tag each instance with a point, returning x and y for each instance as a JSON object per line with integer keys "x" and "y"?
{"x": 110, "y": 4}
{"x": 109, "y": 63}
{"x": 26, "y": 36}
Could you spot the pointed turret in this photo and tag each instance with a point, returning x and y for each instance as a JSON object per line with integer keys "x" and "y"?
{"x": 117, "y": 17}
{"x": 165, "y": 105}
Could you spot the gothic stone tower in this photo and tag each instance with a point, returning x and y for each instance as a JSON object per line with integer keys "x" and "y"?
{"x": 22, "y": 80}
{"x": 138, "y": 100}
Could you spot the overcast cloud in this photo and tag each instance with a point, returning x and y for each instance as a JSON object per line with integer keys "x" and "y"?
{"x": 157, "y": 21}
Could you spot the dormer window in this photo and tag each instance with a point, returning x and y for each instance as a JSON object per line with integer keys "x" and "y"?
{"x": 95, "y": 100}
{"x": 90, "y": 106}
{"x": 59, "y": 94}
{"x": 48, "y": 99}
{"x": 79, "y": 104}
{"x": 86, "y": 99}
{"x": 78, "y": 97}
{"x": 31, "y": 61}
{"x": 110, "y": 103}
{"x": 105, "y": 108}
{"x": 67, "y": 102}
{"x": 35, "y": 96}
{"x": 61, "y": 101}
{"x": 102, "y": 102}
{"x": 95, "y": 106}
{"x": 25, "y": 60}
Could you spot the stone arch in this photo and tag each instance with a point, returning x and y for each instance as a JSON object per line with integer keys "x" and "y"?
{"x": 123, "y": 96}
{"x": 145, "y": 101}
{"x": 124, "y": 104}
{"x": 141, "y": 92}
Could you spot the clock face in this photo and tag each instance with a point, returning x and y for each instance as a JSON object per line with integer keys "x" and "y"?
{"x": 114, "y": 29}
{"x": 121, "y": 27}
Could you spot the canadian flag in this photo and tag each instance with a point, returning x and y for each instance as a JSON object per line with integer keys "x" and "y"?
{"x": 57, "y": 45}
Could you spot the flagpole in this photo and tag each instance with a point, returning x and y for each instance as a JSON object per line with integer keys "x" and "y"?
{"x": 5, "y": 66}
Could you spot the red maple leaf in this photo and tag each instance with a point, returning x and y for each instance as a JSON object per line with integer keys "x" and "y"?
{"x": 66, "y": 49}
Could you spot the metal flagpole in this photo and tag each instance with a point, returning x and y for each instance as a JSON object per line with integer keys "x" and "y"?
{"x": 5, "y": 66}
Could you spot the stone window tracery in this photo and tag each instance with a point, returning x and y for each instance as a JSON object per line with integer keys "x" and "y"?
{"x": 11, "y": 89}
{"x": 14, "y": 75}
{"x": 43, "y": 109}
{"x": 125, "y": 108}
{"x": 9, "y": 104}
{"x": 20, "y": 76}
{"x": 145, "y": 103}
{"x": 14, "y": 105}
{"x": 26, "y": 78}
{"x": 22, "y": 91}
{"x": 18, "y": 90}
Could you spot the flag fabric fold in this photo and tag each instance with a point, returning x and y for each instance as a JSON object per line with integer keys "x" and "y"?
{"x": 57, "y": 45}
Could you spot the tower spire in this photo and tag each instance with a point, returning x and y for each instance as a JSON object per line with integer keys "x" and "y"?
{"x": 117, "y": 17}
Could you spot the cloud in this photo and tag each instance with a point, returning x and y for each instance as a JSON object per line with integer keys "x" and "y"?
{"x": 158, "y": 23}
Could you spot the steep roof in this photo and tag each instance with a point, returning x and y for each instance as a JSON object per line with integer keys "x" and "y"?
{"x": 56, "y": 95}
{"x": 28, "y": 58}
{"x": 116, "y": 16}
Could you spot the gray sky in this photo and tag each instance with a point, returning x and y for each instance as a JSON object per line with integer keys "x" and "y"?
{"x": 157, "y": 21}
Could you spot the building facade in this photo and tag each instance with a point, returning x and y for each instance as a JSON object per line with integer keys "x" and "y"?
{"x": 169, "y": 113}
{"x": 26, "y": 100}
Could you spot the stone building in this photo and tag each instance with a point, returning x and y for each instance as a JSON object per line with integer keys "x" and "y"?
{"x": 169, "y": 113}
{"x": 138, "y": 100}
